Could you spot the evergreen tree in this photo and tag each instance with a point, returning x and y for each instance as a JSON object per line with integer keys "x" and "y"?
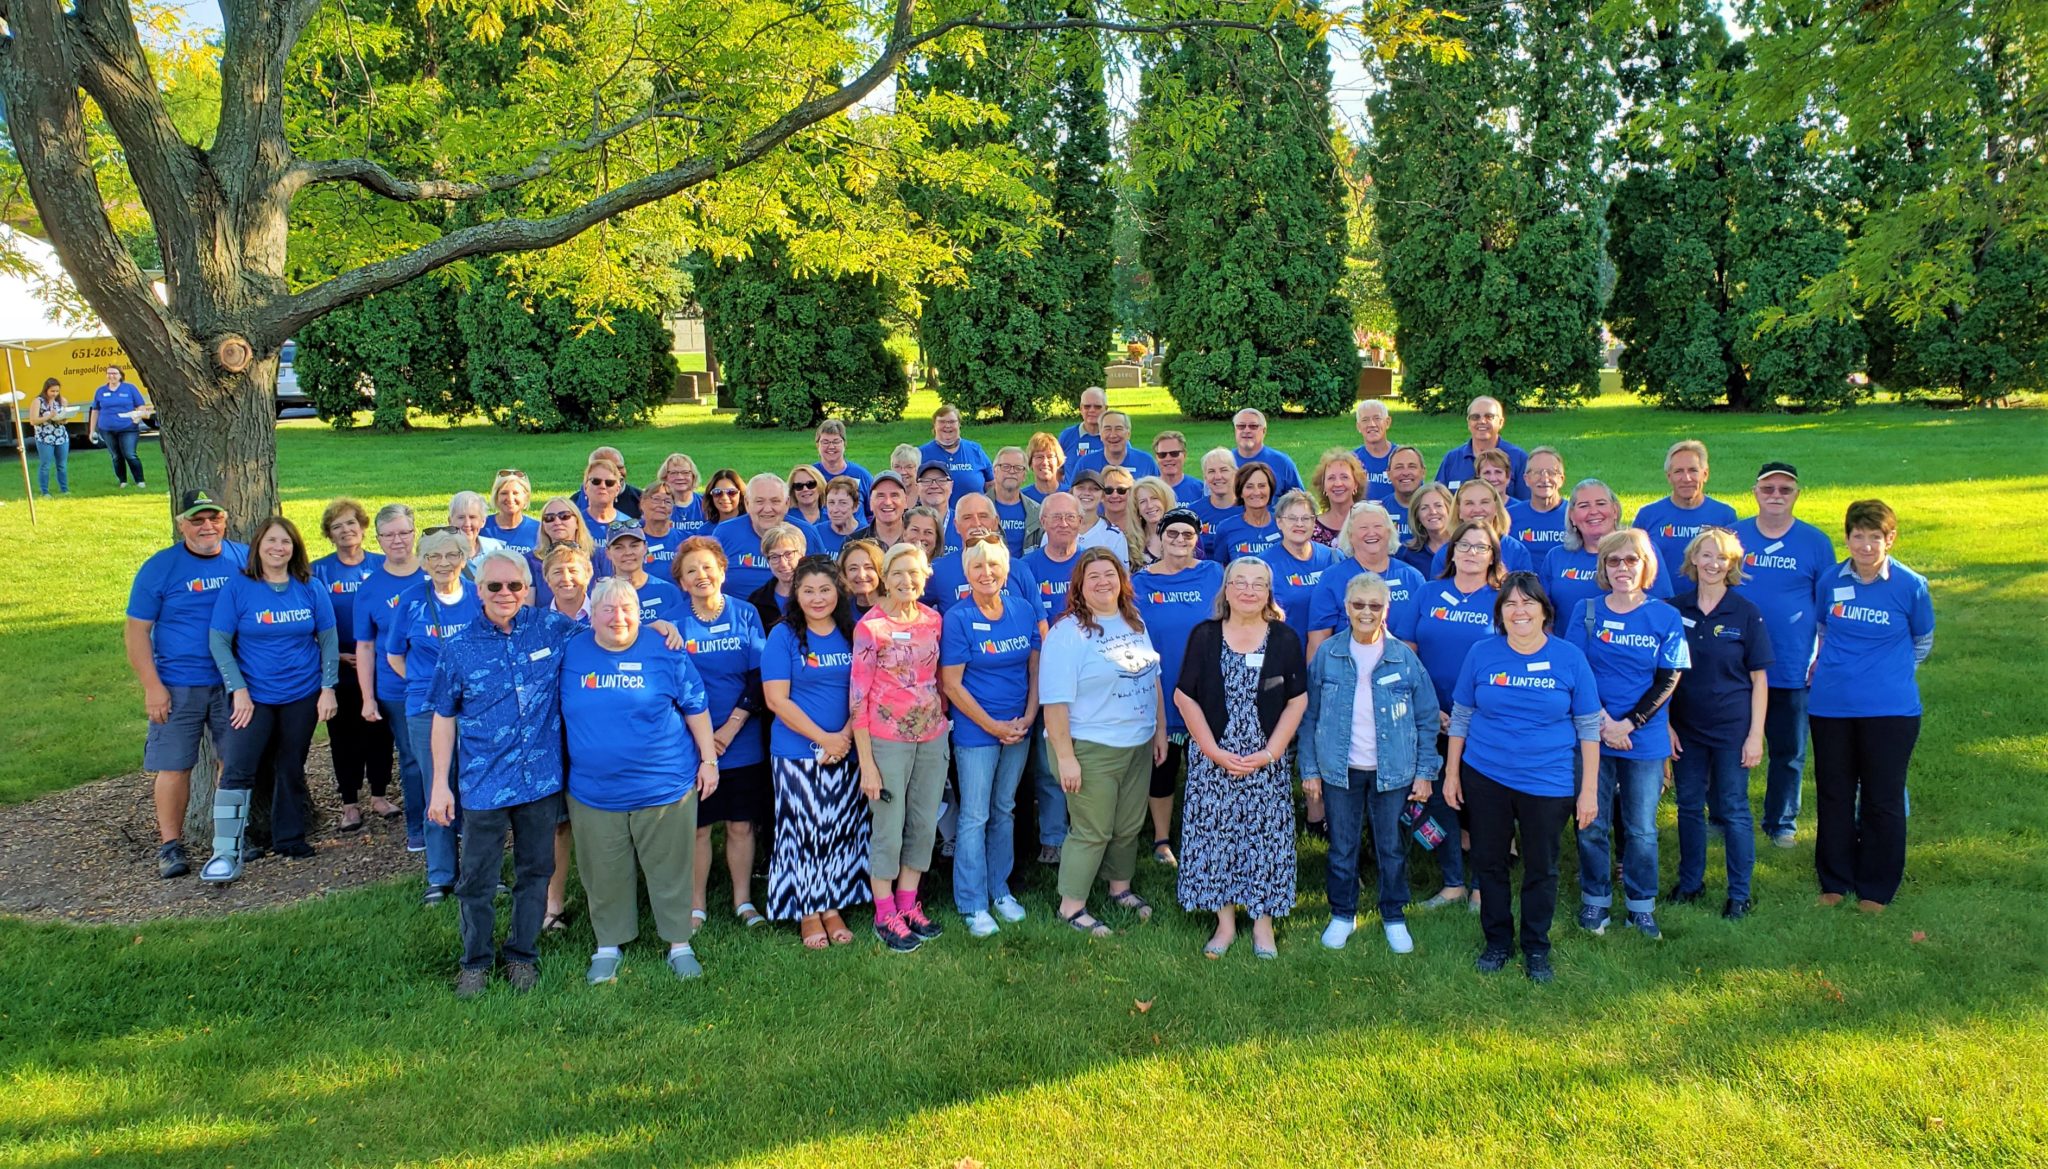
{"x": 798, "y": 349}
{"x": 1027, "y": 327}
{"x": 1247, "y": 245}
{"x": 536, "y": 364}
{"x": 1488, "y": 200}
{"x": 403, "y": 346}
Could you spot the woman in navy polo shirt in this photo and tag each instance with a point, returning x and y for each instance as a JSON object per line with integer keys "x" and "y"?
{"x": 1524, "y": 758}
{"x": 988, "y": 667}
{"x": 1638, "y": 650}
{"x": 724, "y": 638}
{"x": 273, "y": 638}
{"x": 1864, "y": 711}
{"x": 820, "y": 862}
{"x": 1717, "y": 717}
{"x": 1174, "y": 595}
{"x": 361, "y": 747}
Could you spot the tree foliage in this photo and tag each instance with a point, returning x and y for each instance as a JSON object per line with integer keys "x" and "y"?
{"x": 1025, "y": 327}
{"x": 1246, "y": 242}
{"x": 796, "y": 349}
{"x": 535, "y": 363}
{"x": 1488, "y": 199}
{"x": 1711, "y": 230}
{"x": 404, "y": 346}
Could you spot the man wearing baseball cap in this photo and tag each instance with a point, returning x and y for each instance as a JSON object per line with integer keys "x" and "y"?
{"x": 888, "y": 499}
{"x": 1783, "y": 560}
{"x": 169, "y": 608}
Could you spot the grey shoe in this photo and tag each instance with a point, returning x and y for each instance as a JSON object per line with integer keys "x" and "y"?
{"x": 1786, "y": 840}
{"x": 523, "y": 976}
{"x": 684, "y": 963}
{"x": 170, "y": 860}
{"x": 471, "y": 983}
{"x": 603, "y": 968}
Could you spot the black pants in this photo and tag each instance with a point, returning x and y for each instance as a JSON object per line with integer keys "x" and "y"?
{"x": 532, "y": 828}
{"x": 361, "y": 750}
{"x": 278, "y": 737}
{"x": 1166, "y": 776}
{"x": 1497, "y": 815}
{"x": 1859, "y": 784}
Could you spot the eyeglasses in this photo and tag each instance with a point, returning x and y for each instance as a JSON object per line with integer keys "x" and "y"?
{"x": 1471, "y": 546}
{"x": 1482, "y": 418}
{"x": 596, "y": 482}
{"x": 1011, "y": 468}
{"x": 1179, "y": 536}
{"x": 1777, "y": 491}
{"x": 1366, "y": 606}
{"x": 1628, "y": 561}
{"x": 723, "y": 492}
{"x": 1296, "y": 518}
{"x": 207, "y": 517}
{"x": 556, "y": 517}
{"x": 504, "y": 586}
{"x": 785, "y": 556}
{"x": 402, "y": 535}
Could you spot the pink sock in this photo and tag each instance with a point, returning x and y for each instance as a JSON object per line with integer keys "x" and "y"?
{"x": 906, "y": 900}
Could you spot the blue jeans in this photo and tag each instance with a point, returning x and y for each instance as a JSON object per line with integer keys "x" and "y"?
{"x": 1629, "y": 790}
{"x": 1351, "y": 812}
{"x": 121, "y": 446}
{"x": 1713, "y": 776}
{"x": 985, "y": 850}
{"x": 442, "y": 843}
{"x": 1785, "y": 758}
{"x": 412, "y": 778}
{"x": 58, "y": 455}
{"x": 1052, "y": 802}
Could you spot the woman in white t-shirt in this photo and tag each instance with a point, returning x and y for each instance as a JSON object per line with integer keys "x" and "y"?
{"x": 1105, "y": 721}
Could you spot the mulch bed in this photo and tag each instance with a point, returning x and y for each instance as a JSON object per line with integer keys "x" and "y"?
{"x": 88, "y": 854}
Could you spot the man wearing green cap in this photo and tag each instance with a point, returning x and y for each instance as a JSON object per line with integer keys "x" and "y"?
{"x": 169, "y": 608}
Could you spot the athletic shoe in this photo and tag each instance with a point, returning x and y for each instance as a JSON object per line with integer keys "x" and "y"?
{"x": 415, "y": 843}
{"x": 1397, "y": 938}
{"x": 1785, "y": 839}
{"x": 896, "y": 935}
{"x": 1686, "y": 896}
{"x": 436, "y": 894}
{"x": 1009, "y": 909}
{"x": 1737, "y": 910}
{"x": 916, "y": 922}
{"x": 471, "y": 983}
{"x": 170, "y": 860}
{"x": 1338, "y": 932}
{"x": 1646, "y": 925}
{"x": 523, "y": 976}
{"x": 981, "y": 925}
{"x": 1537, "y": 967}
{"x": 1593, "y": 919}
{"x": 1492, "y": 960}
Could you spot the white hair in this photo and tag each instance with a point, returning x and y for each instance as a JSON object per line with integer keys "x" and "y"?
{"x": 521, "y": 570}
{"x": 463, "y": 500}
{"x": 1363, "y": 508}
{"x": 610, "y": 587}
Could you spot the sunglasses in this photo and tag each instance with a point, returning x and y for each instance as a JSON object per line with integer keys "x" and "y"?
{"x": 983, "y": 538}
{"x": 1116, "y": 491}
{"x": 437, "y": 529}
{"x": 504, "y": 586}
{"x": 805, "y": 486}
{"x": 504, "y": 471}
{"x": 594, "y": 482}
{"x": 1171, "y": 454}
{"x": 556, "y": 517}
{"x": 723, "y": 492}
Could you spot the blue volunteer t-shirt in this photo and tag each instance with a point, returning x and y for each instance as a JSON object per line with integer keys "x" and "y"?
{"x": 967, "y": 463}
{"x": 1627, "y": 649}
{"x": 996, "y": 656}
{"x": 1237, "y": 536}
{"x": 819, "y": 678}
{"x": 1137, "y": 462}
{"x": 1539, "y": 531}
{"x": 1014, "y": 520}
{"x": 746, "y": 568}
{"x": 623, "y": 711}
{"x": 276, "y": 635}
{"x": 1295, "y": 581}
{"x": 1053, "y": 577}
{"x": 1711, "y": 706}
{"x": 1672, "y": 527}
{"x": 376, "y": 612}
{"x": 175, "y": 591}
{"x": 1212, "y": 517}
{"x": 1171, "y": 607}
{"x": 1571, "y": 579}
{"x": 1076, "y": 444}
{"x": 1784, "y": 576}
{"x": 661, "y": 552}
{"x": 947, "y": 586}
{"x": 853, "y": 471}
{"x": 520, "y": 537}
{"x": 727, "y": 654}
{"x": 659, "y": 600}
{"x": 1450, "y": 624}
{"x": 689, "y": 519}
{"x": 1866, "y": 667}
{"x": 1378, "y": 487}
{"x": 1285, "y": 477}
{"x": 424, "y": 623}
{"x": 112, "y": 404}
{"x": 342, "y": 582}
{"x": 1521, "y": 735}
{"x": 1404, "y": 598}
{"x": 1189, "y": 491}
{"x": 1514, "y": 557}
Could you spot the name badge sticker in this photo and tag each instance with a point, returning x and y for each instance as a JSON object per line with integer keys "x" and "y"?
{"x": 899, "y": 635}
{"x": 1387, "y": 679}
{"x": 1453, "y": 598}
{"x": 1612, "y": 625}
{"x": 540, "y": 653}
{"x": 981, "y": 627}
{"x": 629, "y": 667}
{"x": 718, "y": 628}
{"x": 1256, "y": 661}
{"x": 1774, "y": 545}
{"x": 1538, "y": 667}
{"x": 1846, "y": 593}
{"x": 1689, "y": 622}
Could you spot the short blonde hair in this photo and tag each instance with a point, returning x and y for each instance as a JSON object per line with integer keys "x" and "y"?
{"x": 901, "y": 551}
{"x": 986, "y": 552}
{"x": 1729, "y": 546}
{"x": 1418, "y": 539}
{"x": 1498, "y": 521}
{"x": 1627, "y": 540}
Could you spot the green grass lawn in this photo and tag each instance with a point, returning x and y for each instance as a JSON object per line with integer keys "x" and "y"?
{"x": 325, "y": 1033}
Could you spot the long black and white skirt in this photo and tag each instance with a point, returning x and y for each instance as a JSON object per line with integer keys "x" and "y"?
{"x": 820, "y": 860}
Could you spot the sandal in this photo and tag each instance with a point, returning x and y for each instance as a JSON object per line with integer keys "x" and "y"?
{"x": 555, "y": 922}
{"x": 1085, "y": 922}
{"x": 1162, "y": 851}
{"x": 697, "y": 919}
{"x": 748, "y": 915}
{"x": 1129, "y": 899}
{"x": 813, "y": 941}
{"x": 351, "y": 819}
{"x": 836, "y": 927}
{"x": 386, "y": 808}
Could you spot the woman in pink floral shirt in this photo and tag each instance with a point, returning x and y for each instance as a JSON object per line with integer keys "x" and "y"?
{"x": 899, "y": 729}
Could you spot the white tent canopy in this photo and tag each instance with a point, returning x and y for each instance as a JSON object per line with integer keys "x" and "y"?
{"x": 29, "y": 302}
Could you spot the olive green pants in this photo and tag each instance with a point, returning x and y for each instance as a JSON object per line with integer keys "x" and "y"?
{"x": 1104, "y": 818}
{"x": 613, "y": 849}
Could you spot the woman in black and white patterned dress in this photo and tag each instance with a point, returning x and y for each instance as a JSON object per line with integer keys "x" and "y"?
{"x": 1244, "y": 673}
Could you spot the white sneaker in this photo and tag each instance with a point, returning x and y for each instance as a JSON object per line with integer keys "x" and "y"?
{"x": 981, "y": 925}
{"x": 1397, "y": 938}
{"x": 1338, "y": 932}
{"x": 1009, "y": 909}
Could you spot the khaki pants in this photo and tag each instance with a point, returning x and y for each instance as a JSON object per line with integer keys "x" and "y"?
{"x": 614, "y": 848}
{"x": 914, "y": 775}
{"x": 1105, "y": 817}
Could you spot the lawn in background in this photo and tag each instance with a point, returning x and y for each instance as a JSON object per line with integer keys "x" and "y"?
{"x": 325, "y": 1034}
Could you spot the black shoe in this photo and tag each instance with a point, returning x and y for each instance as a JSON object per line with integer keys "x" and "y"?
{"x": 170, "y": 860}
{"x": 924, "y": 927}
{"x": 1537, "y": 967}
{"x": 1492, "y": 960}
{"x": 523, "y": 976}
{"x": 299, "y": 851}
{"x": 1737, "y": 910}
{"x": 896, "y": 935}
{"x": 436, "y": 894}
{"x": 1679, "y": 896}
{"x": 1320, "y": 829}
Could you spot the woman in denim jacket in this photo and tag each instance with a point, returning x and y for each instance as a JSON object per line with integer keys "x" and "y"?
{"x": 1367, "y": 760}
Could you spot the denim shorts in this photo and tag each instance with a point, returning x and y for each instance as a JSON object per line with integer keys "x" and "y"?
{"x": 173, "y": 744}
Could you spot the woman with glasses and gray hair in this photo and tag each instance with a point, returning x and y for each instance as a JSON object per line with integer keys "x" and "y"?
{"x": 466, "y": 514}
{"x": 1571, "y": 570}
{"x": 377, "y": 610}
{"x": 429, "y": 613}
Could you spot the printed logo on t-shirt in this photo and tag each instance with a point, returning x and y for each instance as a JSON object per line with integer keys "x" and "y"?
{"x": 818, "y": 661}
{"x": 1523, "y": 681}
{"x": 282, "y": 616}
{"x": 750, "y": 560}
{"x": 1630, "y": 640}
{"x": 1303, "y": 580}
{"x": 1175, "y": 597}
{"x": 343, "y": 587}
{"x": 1577, "y": 574}
{"x": 620, "y": 681}
{"x": 1461, "y": 616}
{"x": 1005, "y": 646}
{"x": 205, "y": 584}
{"x": 710, "y": 645}
{"x": 1766, "y": 560}
{"x": 1843, "y": 611}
